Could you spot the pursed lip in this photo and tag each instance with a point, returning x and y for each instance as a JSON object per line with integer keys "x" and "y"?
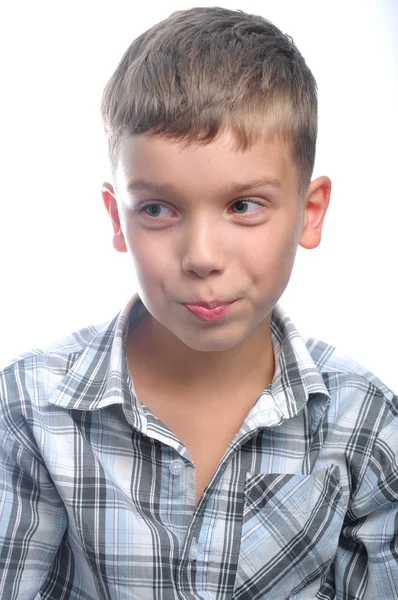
{"x": 210, "y": 311}
{"x": 209, "y": 305}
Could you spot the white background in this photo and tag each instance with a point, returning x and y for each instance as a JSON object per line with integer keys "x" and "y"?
{"x": 59, "y": 271}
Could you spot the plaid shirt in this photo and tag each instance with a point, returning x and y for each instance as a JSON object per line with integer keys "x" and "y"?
{"x": 97, "y": 496}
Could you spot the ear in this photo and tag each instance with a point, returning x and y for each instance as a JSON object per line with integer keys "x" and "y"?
{"x": 316, "y": 205}
{"x": 110, "y": 202}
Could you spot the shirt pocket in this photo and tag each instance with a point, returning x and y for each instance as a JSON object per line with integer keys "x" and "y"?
{"x": 290, "y": 532}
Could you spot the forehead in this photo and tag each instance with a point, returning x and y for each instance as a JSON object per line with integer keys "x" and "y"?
{"x": 218, "y": 164}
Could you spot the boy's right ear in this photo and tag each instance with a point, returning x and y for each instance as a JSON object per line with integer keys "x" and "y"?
{"x": 109, "y": 198}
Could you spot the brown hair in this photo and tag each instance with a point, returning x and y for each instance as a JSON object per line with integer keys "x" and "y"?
{"x": 204, "y": 69}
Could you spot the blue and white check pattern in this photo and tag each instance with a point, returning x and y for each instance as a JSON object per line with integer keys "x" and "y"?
{"x": 97, "y": 496}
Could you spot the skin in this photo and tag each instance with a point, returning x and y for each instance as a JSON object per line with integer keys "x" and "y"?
{"x": 201, "y": 240}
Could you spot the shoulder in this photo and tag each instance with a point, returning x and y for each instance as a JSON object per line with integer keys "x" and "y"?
{"x": 32, "y": 376}
{"x": 346, "y": 378}
{"x": 362, "y": 419}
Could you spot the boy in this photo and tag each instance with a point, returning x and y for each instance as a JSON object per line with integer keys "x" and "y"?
{"x": 197, "y": 447}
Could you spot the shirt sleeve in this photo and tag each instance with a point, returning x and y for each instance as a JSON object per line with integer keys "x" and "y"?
{"x": 366, "y": 565}
{"x": 32, "y": 516}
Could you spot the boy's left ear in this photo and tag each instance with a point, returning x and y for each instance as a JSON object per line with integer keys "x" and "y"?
{"x": 316, "y": 204}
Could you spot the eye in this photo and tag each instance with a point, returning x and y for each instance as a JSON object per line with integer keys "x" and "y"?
{"x": 155, "y": 210}
{"x": 242, "y": 207}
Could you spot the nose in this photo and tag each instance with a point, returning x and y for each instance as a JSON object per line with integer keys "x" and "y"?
{"x": 202, "y": 249}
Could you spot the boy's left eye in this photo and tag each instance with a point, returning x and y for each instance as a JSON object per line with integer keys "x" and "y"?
{"x": 246, "y": 206}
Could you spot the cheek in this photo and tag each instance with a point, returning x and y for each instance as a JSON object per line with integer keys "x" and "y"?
{"x": 274, "y": 258}
{"x": 150, "y": 260}
{"x": 273, "y": 249}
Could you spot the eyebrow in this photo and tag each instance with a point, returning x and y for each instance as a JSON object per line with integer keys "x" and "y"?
{"x": 137, "y": 185}
{"x": 237, "y": 186}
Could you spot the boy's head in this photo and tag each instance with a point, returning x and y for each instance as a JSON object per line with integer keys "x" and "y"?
{"x": 207, "y": 69}
{"x": 211, "y": 122}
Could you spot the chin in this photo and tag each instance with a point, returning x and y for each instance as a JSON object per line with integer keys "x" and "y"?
{"x": 211, "y": 344}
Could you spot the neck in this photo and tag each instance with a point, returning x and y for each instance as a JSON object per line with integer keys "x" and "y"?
{"x": 152, "y": 349}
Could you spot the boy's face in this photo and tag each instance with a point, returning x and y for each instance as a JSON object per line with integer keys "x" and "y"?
{"x": 212, "y": 232}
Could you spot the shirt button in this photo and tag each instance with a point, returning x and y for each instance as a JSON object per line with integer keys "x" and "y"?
{"x": 193, "y": 551}
{"x": 176, "y": 467}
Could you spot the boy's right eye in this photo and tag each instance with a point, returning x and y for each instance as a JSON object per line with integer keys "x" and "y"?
{"x": 154, "y": 209}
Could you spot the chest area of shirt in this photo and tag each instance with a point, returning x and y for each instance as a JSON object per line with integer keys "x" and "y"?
{"x": 133, "y": 501}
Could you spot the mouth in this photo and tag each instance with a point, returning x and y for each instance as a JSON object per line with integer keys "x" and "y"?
{"x": 209, "y": 311}
{"x": 209, "y": 305}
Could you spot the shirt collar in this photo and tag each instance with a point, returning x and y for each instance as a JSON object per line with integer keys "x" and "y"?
{"x": 296, "y": 376}
{"x": 99, "y": 376}
{"x": 296, "y": 380}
